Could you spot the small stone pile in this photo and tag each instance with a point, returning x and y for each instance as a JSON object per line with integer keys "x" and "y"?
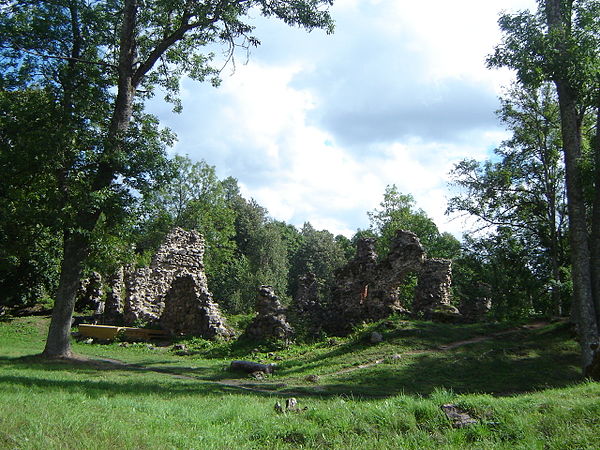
{"x": 476, "y": 309}
{"x": 270, "y": 323}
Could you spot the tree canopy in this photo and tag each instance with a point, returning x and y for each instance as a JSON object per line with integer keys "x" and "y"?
{"x": 98, "y": 61}
{"x": 560, "y": 43}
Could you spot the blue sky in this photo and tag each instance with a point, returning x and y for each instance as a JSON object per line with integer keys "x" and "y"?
{"x": 314, "y": 127}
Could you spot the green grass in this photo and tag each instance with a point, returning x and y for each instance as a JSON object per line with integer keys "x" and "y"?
{"x": 524, "y": 388}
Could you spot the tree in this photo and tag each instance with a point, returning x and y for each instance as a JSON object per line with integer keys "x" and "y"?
{"x": 29, "y": 248}
{"x": 261, "y": 256}
{"x": 320, "y": 253}
{"x": 499, "y": 266}
{"x": 561, "y": 44}
{"x": 103, "y": 59}
{"x": 194, "y": 199}
{"x": 522, "y": 188}
{"x": 397, "y": 211}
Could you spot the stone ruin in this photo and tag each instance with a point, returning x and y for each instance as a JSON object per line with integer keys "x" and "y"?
{"x": 113, "y": 303}
{"x": 474, "y": 309}
{"x": 270, "y": 323}
{"x": 189, "y": 309}
{"x": 432, "y": 294}
{"x": 307, "y": 309}
{"x": 172, "y": 292}
{"x": 89, "y": 294}
{"x": 180, "y": 254}
{"x": 368, "y": 288}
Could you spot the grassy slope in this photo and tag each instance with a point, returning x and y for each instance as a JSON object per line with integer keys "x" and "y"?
{"x": 392, "y": 404}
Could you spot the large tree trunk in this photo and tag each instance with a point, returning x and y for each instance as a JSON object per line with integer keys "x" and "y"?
{"x": 595, "y": 237}
{"x": 558, "y": 15}
{"x": 579, "y": 238}
{"x": 58, "y": 344}
{"x": 77, "y": 246}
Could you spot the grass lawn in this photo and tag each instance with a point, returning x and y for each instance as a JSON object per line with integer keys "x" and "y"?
{"x": 523, "y": 387}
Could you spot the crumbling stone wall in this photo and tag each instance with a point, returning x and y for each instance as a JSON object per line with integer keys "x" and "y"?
{"x": 366, "y": 288}
{"x": 175, "y": 278}
{"x": 189, "y": 309}
{"x": 432, "y": 295}
{"x": 172, "y": 292}
{"x": 89, "y": 294}
{"x": 181, "y": 254}
{"x": 270, "y": 322}
{"x": 351, "y": 289}
{"x": 406, "y": 256}
{"x": 113, "y": 304}
{"x": 306, "y": 311}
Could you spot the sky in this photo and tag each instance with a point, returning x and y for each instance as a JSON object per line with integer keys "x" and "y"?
{"x": 315, "y": 126}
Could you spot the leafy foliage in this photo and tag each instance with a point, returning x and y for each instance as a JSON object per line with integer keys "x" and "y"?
{"x": 397, "y": 211}
{"x": 29, "y": 248}
{"x": 519, "y": 195}
{"x": 320, "y": 253}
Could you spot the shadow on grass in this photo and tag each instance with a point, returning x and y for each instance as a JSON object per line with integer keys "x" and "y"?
{"x": 411, "y": 336}
{"x": 95, "y": 365}
{"x": 509, "y": 366}
{"x": 496, "y": 376}
{"x": 97, "y": 389}
{"x": 88, "y": 377}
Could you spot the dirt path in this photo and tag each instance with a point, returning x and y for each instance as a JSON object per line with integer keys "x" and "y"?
{"x": 246, "y": 385}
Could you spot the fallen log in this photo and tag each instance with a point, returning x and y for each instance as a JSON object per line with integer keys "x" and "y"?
{"x": 251, "y": 367}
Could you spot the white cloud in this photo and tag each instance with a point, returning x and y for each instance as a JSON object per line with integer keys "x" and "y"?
{"x": 316, "y": 126}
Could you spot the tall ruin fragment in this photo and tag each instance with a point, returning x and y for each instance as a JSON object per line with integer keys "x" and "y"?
{"x": 432, "y": 294}
{"x": 189, "y": 309}
{"x": 306, "y": 311}
{"x": 89, "y": 294}
{"x": 113, "y": 304}
{"x": 172, "y": 292}
{"x": 180, "y": 254}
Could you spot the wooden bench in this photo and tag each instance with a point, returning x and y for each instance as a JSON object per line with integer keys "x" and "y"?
{"x": 110, "y": 332}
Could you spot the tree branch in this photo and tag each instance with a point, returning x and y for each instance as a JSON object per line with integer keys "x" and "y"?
{"x": 166, "y": 43}
{"x": 67, "y": 58}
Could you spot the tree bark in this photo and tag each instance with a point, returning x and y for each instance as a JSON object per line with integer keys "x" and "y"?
{"x": 77, "y": 245}
{"x": 595, "y": 236}
{"x": 558, "y": 16}
{"x": 578, "y": 234}
{"x": 58, "y": 344}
